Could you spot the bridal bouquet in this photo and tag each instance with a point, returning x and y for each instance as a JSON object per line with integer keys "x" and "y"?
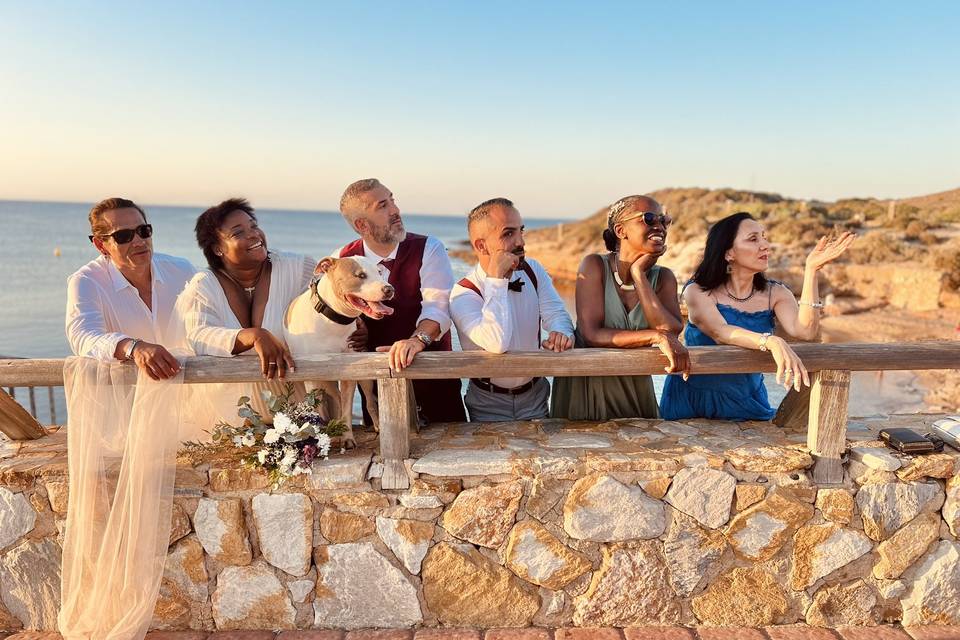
{"x": 298, "y": 436}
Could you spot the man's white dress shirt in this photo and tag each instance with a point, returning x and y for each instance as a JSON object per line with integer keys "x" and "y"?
{"x": 504, "y": 320}
{"x": 436, "y": 279}
{"x": 103, "y": 308}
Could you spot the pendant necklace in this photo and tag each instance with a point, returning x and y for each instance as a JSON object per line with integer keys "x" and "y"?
{"x": 733, "y": 297}
{"x": 248, "y": 290}
{"x": 616, "y": 275}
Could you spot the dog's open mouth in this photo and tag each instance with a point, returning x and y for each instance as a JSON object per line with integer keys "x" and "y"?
{"x": 371, "y": 308}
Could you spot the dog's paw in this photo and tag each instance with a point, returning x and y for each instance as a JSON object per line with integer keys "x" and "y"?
{"x": 348, "y": 441}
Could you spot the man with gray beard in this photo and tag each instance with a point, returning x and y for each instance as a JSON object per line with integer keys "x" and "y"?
{"x": 418, "y": 268}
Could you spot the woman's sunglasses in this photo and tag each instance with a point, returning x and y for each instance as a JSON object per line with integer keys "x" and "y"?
{"x": 650, "y": 218}
{"x": 123, "y": 236}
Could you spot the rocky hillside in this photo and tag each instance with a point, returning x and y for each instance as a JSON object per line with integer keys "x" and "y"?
{"x": 908, "y": 253}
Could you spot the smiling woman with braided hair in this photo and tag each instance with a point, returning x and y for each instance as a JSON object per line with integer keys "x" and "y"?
{"x": 624, "y": 299}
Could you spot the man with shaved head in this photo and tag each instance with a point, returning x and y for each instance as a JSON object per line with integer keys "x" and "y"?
{"x": 418, "y": 268}
{"x": 501, "y": 306}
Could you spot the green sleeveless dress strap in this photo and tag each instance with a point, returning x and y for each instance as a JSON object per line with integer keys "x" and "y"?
{"x": 608, "y": 397}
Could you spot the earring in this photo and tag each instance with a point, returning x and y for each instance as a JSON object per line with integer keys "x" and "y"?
{"x": 729, "y": 268}
{"x": 220, "y": 255}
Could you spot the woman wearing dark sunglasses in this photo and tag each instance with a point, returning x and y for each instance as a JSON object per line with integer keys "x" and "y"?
{"x": 624, "y": 299}
{"x": 120, "y": 304}
{"x": 731, "y": 301}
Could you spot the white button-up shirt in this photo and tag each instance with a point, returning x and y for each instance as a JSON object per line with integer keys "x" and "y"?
{"x": 504, "y": 320}
{"x": 436, "y": 279}
{"x": 103, "y": 308}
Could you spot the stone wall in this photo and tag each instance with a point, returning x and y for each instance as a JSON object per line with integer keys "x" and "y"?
{"x": 619, "y": 524}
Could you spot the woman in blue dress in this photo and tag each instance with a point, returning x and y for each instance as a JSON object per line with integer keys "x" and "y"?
{"x": 730, "y": 301}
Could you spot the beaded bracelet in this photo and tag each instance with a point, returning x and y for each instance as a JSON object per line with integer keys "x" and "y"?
{"x": 815, "y": 305}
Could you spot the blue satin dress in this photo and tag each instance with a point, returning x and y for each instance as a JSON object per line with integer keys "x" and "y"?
{"x": 735, "y": 396}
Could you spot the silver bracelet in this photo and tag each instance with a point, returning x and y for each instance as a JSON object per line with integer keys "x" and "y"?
{"x": 762, "y": 345}
{"x": 815, "y": 305}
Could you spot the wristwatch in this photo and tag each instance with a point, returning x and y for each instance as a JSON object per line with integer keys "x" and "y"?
{"x": 128, "y": 352}
{"x": 424, "y": 338}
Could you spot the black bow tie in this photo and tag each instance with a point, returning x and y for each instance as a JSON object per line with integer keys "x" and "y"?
{"x": 516, "y": 285}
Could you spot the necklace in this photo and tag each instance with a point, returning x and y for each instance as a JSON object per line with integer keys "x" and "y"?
{"x": 248, "y": 290}
{"x": 616, "y": 275}
{"x": 733, "y": 297}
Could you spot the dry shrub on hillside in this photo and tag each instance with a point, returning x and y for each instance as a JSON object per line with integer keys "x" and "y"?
{"x": 879, "y": 247}
{"x": 948, "y": 259}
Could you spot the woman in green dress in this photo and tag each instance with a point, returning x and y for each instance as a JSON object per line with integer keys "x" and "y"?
{"x": 625, "y": 300}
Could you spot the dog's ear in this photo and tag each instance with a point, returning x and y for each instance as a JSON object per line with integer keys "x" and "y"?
{"x": 325, "y": 265}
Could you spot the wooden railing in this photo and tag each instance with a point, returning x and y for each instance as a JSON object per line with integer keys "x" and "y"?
{"x": 32, "y": 395}
{"x": 830, "y": 366}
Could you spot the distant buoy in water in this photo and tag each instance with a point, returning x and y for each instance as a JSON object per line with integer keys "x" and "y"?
{"x": 56, "y": 252}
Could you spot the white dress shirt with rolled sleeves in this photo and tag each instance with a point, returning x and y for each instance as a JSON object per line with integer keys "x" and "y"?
{"x": 436, "y": 280}
{"x": 103, "y": 308}
{"x": 504, "y": 320}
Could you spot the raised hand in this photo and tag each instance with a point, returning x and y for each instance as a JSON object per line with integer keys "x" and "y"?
{"x": 643, "y": 264}
{"x": 828, "y": 250}
{"x": 503, "y": 263}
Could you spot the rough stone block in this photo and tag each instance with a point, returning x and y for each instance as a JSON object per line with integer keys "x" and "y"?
{"x": 601, "y": 509}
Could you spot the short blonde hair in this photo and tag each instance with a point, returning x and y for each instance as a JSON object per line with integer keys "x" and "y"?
{"x": 350, "y": 205}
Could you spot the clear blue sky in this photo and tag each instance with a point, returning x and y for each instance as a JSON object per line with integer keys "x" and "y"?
{"x": 562, "y": 107}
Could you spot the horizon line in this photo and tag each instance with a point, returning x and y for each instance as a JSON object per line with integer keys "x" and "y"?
{"x": 450, "y": 215}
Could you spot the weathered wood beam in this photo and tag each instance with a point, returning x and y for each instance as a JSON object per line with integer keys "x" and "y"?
{"x": 720, "y": 359}
{"x": 15, "y": 422}
{"x": 340, "y": 366}
{"x": 827, "y": 424}
{"x": 579, "y": 362}
{"x": 398, "y": 414}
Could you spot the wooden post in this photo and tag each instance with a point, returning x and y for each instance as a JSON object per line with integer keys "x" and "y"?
{"x": 827, "y": 426}
{"x": 16, "y": 423}
{"x": 794, "y": 411}
{"x": 397, "y": 413}
{"x": 53, "y": 405}
{"x": 33, "y": 401}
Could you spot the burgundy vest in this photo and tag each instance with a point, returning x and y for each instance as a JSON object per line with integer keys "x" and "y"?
{"x": 408, "y": 301}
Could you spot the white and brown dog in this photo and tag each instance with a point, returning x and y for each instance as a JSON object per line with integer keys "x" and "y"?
{"x": 320, "y": 320}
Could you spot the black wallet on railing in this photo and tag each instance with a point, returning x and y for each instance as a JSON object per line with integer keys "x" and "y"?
{"x": 909, "y": 441}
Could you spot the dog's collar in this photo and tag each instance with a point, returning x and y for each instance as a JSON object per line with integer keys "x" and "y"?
{"x": 325, "y": 309}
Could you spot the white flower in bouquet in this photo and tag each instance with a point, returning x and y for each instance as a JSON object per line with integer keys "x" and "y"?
{"x": 248, "y": 440}
{"x": 289, "y": 457}
{"x": 272, "y": 435}
{"x": 237, "y": 441}
{"x": 323, "y": 444}
{"x": 283, "y": 424}
{"x": 262, "y": 455}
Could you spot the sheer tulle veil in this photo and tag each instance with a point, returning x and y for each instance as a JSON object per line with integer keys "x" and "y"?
{"x": 123, "y": 433}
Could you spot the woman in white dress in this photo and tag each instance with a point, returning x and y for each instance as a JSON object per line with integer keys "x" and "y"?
{"x": 125, "y": 431}
{"x": 237, "y": 305}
